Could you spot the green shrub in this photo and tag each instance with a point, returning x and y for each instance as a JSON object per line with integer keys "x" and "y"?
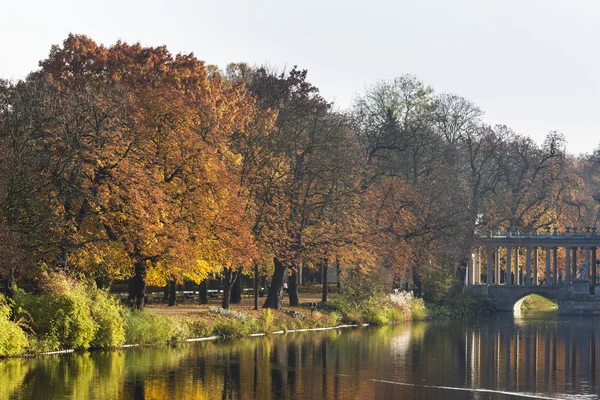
{"x": 13, "y": 340}
{"x": 197, "y": 328}
{"x": 107, "y": 314}
{"x": 439, "y": 282}
{"x": 144, "y": 328}
{"x": 62, "y": 314}
{"x": 375, "y": 312}
{"x": 418, "y": 310}
{"x": 458, "y": 306}
{"x": 363, "y": 300}
{"x": 266, "y": 321}
{"x": 234, "y": 327}
{"x": 353, "y": 318}
{"x": 334, "y": 319}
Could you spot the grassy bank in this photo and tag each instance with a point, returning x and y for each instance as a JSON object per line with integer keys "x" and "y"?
{"x": 535, "y": 302}
{"x": 71, "y": 315}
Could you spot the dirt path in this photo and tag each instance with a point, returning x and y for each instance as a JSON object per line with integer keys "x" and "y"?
{"x": 247, "y": 304}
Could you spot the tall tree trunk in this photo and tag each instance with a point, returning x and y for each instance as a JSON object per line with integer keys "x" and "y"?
{"x": 172, "y": 293}
{"x": 230, "y": 277}
{"x": 139, "y": 283}
{"x": 256, "y": 289}
{"x": 10, "y": 284}
{"x": 293, "y": 288}
{"x": 417, "y": 283}
{"x": 166, "y": 293}
{"x": 203, "y": 289}
{"x": 304, "y": 276}
{"x": 236, "y": 290}
{"x": 339, "y": 276}
{"x": 274, "y": 296}
{"x": 131, "y": 290}
{"x": 325, "y": 282}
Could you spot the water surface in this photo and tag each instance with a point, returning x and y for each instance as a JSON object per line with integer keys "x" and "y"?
{"x": 501, "y": 357}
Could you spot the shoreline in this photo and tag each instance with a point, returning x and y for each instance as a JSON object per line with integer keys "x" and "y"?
{"x": 160, "y": 325}
{"x": 193, "y": 340}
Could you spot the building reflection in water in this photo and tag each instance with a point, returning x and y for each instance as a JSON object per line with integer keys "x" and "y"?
{"x": 534, "y": 355}
{"x": 441, "y": 360}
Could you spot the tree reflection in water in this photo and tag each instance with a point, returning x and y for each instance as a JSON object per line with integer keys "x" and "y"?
{"x": 536, "y": 354}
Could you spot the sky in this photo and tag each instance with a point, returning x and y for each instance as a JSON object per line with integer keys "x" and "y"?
{"x": 529, "y": 64}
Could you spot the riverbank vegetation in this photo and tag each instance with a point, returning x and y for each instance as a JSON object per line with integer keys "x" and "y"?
{"x": 69, "y": 314}
{"x": 535, "y": 302}
{"x": 126, "y": 163}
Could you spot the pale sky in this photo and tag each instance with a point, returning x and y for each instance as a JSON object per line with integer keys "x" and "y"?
{"x": 530, "y": 64}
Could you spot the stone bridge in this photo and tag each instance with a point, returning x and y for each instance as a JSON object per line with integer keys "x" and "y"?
{"x": 508, "y": 266}
{"x": 509, "y": 298}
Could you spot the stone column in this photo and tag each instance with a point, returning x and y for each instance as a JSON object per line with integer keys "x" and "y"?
{"x": 536, "y": 275}
{"x": 474, "y": 258}
{"x": 517, "y": 273}
{"x": 490, "y": 263}
{"x": 498, "y": 274}
{"x": 593, "y": 268}
{"x": 478, "y": 266}
{"x": 470, "y": 271}
{"x": 568, "y": 266}
{"x": 588, "y": 259}
{"x": 574, "y": 263}
{"x": 555, "y": 266}
{"x": 509, "y": 277}
{"x": 528, "y": 267}
{"x": 548, "y": 277}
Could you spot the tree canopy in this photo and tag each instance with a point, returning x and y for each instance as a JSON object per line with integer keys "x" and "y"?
{"x": 128, "y": 162}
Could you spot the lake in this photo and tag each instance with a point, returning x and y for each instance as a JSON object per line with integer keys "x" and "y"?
{"x": 537, "y": 355}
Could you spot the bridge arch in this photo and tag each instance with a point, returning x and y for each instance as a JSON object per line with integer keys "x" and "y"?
{"x": 505, "y": 298}
{"x": 519, "y": 302}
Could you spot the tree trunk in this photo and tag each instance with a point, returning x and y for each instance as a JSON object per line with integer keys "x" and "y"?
{"x": 172, "y": 293}
{"x": 325, "y": 282}
{"x": 139, "y": 284}
{"x": 293, "y": 289}
{"x": 417, "y": 283}
{"x": 102, "y": 283}
{"x": 339, "y": 281}
{"x": 274, "y": 296}
{"x": 236, "y": 290}
{"x": 203, "y": 289}
{"x": 10, "y": 284}
{"x": 256, "y": 288}
{"x": 230, "y": 277}
{"x": 131, "y": 290}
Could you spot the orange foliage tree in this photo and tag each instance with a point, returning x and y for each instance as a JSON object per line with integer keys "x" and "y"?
{"x": 141, "y": 169}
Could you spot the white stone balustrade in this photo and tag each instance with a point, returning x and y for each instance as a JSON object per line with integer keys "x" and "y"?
{"x": 502, "y": 252}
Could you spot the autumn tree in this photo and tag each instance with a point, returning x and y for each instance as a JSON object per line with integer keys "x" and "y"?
{"x": 299, "y": 178}
{"x": 142, "y": 173}
{"x": 399, "y": 125}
